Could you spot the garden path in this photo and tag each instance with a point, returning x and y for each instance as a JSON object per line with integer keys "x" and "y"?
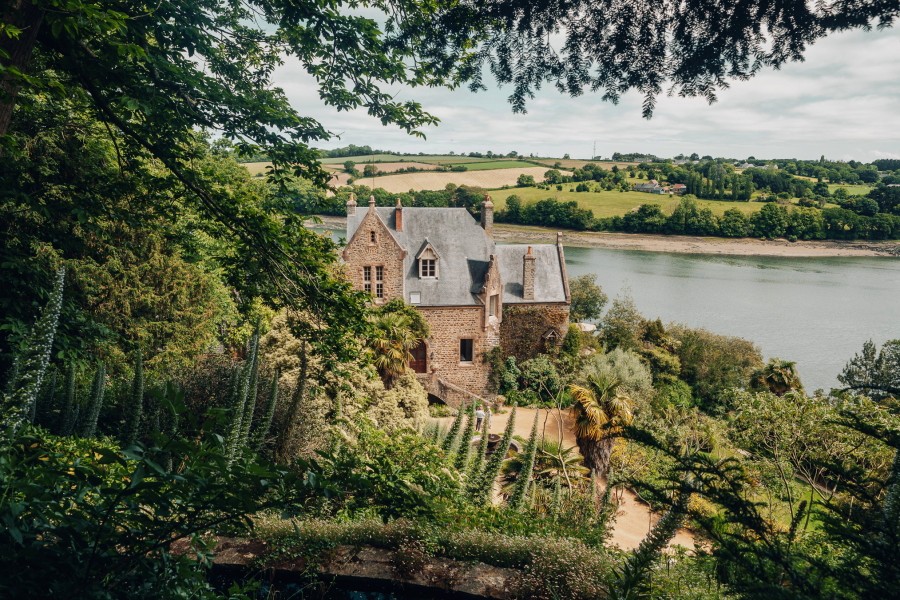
{"x": 633, "y": 518}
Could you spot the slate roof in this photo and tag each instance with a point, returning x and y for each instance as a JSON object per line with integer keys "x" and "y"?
{"x": 464, "y": 252}
{"x": 548, "y": 279}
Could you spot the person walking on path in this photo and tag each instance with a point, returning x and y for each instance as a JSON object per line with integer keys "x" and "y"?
{"x": 479, "y": 417}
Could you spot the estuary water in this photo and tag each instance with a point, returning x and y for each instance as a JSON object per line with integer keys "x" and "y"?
{"x": 817, "y": 312}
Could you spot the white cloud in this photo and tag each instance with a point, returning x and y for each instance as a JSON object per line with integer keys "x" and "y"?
{"x": 842, "y": 101}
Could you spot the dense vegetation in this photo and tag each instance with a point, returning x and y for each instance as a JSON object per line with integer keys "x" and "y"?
{"x": 182, "y": 359}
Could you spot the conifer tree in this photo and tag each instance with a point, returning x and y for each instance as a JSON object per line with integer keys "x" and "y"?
{"x": 517, "y": 499}
{"x": 135, "y": 402}
{"x": 29, "y": 373}
{"x": 89, "y": 425}
{"x": 480, "y": 491}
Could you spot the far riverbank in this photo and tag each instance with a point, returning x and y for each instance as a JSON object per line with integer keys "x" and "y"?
{"x": 681, "y": 244}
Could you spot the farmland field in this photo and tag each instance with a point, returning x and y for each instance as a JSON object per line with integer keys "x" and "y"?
{"x": 574, "y": 163}
{"x": 493, "y": 178}
{"x": 852, "y": 189}
{"x": 496, "y": 164}
{"x": 610, "y": 204}
{"x": 339, "y": 160}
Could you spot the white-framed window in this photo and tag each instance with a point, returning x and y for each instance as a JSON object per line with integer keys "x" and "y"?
{"x": 466, "y": 350}
{"x": 415, "y": 297}
{"x": 494, "y": 305}
{"x": 427, "y": 267}
{"x": 379, "y": 281}
{"x": 367, "y": 279}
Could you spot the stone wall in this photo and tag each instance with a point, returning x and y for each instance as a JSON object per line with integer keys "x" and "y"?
{"x": 449, "y": 325}
{"x": 524, "y": 326}
{"x": 384, "y": 252}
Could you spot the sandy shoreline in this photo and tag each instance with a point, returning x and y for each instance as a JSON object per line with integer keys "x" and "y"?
{"x": 519, "y": 234}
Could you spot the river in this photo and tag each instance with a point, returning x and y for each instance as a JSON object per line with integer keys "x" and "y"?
{"x": 817, "y": 312}
{"x": 814, "y": 311}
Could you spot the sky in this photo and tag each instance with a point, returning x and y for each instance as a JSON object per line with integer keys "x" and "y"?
{"x": 843, "y": 102}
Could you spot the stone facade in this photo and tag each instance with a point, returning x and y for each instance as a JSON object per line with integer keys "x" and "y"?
{"x": 448, "y": 326}
{"x": 373, "y": 246}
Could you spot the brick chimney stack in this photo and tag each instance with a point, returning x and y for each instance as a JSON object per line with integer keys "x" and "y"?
{"x": 487, "y": 216}
{"x": 398, "y": 216}
{"x": 528, "y": 275}
{"x": 351, "y": 205}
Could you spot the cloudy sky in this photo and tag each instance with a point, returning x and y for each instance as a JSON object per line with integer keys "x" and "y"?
{"x": 843, "y": 102}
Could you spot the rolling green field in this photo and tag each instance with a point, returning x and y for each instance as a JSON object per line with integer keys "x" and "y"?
{"x": 610, "y": 204}
{"x": 369, "y": 158}
{"x": 852, "y": 189}
{"x": 494, "y": 164}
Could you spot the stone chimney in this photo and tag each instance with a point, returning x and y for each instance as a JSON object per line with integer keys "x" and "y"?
{"x": 487, "y": 216}
{"x": 371, "y": 203}
{"x": 398, "y": 216}
{"x": 351, "y": 205}
{"x": 528, "y": 275}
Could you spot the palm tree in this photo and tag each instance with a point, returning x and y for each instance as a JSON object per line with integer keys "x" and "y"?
{"x": 600, "y": 412}
{"x": 391, "y": 340}
{"x": 553, "y": 461}
{"x": 778, "y": 376}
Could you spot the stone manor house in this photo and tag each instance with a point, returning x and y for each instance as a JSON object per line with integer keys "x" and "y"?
{"x": 474, "y": 293}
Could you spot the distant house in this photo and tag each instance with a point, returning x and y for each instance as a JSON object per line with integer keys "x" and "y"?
{"x": 475, "y": 294}
{"x": 651, "y": 187}
{"x": 678, "y": 188}
{"x": 746, "y": 165}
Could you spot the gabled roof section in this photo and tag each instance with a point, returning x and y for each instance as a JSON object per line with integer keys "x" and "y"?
{"x": 549, "y": 276}
{"x": 426, "y": 245}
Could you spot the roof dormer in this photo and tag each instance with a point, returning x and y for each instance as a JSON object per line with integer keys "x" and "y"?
{"x": 427, "y": 261}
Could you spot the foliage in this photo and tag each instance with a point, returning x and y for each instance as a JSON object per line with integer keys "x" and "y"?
{"x": 876, "y": 375}
{"x": 588, "y": 299}
{"x": 135, "y": 408}
{"x": 98, "y": 388}
{"x": 623, "y": 366}
{"x": 479, "y": 487}
{"x": 622, "y": 326}
{"x": 84, "y": 519}
{"x": 712, "y": 363}
{"x": 396, "y": 330}
{"x": 29, "y": 373}
{"x": 600, "y": 412}
{"x": 386, "y": 476}
{"x": 778, "y": 376}
{"x": 526, "y": 473}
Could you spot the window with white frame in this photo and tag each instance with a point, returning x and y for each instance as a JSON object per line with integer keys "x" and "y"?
{"x": 427, "y": 267}
{"x": 367, "y": 279}
{"x": 379, "y": 281}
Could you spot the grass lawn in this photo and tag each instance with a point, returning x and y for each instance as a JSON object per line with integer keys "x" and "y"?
{"x": 852, "y": 189}
{"x": 610, "y": 204}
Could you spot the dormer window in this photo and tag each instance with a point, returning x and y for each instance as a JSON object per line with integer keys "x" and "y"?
{"x": 427, "y": 267}
{"x": 428, "y": 262}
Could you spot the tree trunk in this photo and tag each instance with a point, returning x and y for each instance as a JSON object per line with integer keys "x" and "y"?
{"x": 16, "y": 52}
